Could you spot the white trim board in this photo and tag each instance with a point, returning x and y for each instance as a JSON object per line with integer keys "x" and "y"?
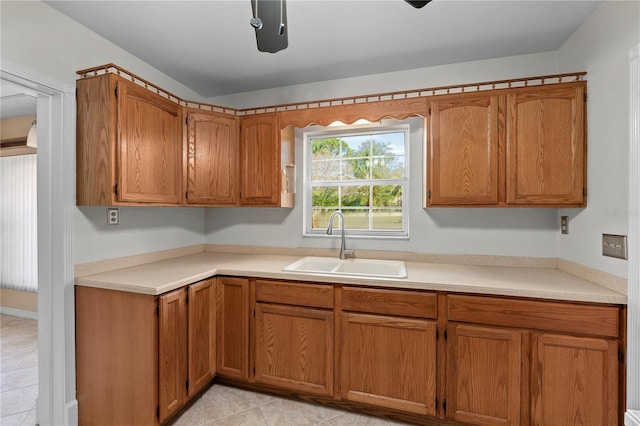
{"x": 18, "y": 313}
{"x": 56, "y": 202}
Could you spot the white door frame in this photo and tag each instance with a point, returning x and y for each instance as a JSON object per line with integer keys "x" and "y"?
{"x": 633, "y": 295}
{"x": 57, "y": 403}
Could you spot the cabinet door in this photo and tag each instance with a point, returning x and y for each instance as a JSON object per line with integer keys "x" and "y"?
{"x": 173, "y": 352}
{"x": 463, "y": 150}
{"x": 202, "y": 335}
{"x": 575, "y": 381}
{"x": 483, "y": 375}
{"x": 212, "y": 159}
{"x": 260, "y": 160}
{"x": 546, "y": 146}
{"x": 389, "y": 362}
{"x": 294, "y": 348}
{"x": 232, "y": 327}
{"x": 149, "y": 147}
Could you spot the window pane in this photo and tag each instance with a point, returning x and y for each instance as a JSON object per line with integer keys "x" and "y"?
{"x": 355, "y": 169}
{"x": 325, "y": 196}
{"x": 355, "y": 196}
{"x": 387, "y": 195}
{"x": 394, "y": 142}
{"x": 325, "y": 170}
{"x": 320, "y": 218}
{"x": 387, "y": 167}
{"x": 387, "y": 219}
{"x": 356, "y": 218}
{"x": 326, "y": 148}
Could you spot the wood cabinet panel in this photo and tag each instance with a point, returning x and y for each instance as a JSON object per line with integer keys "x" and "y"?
{"x": 574, "y": 381}
{"x": 150, "y": 148}
{"x": 484, "y": 375}
{"x": 545, "y": 145}
{"x": 294, "y": 348}
{"x": 96, "y": 134}
{"x": 301, "y": 294}
{"x": 260, "y": 180}
{"x": 212, "y": 159}
{"x": 389, "y": 362}
{"x": 393, "y": 302}
{"x": 202, "y": 335}
{"x": 463, "y": 150}
{"x": 173, "y": 356}
{"x": 596, "y": 320}
{"x": 116, "y": 332}
{"x": 232, "y": 327}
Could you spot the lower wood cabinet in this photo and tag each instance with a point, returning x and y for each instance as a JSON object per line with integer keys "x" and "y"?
{"x": 232, "y": 331}
{"x": 294, "y": 348}
{"x": 173, "y": 352}
{"x": 574, "y": 381}
{"x": 417, "y": 355}
{"x": 389, "y": 361}
{"x": 484, "y": 377}
{"x": 140, "y": 358}
{"x": 187, "y": 344}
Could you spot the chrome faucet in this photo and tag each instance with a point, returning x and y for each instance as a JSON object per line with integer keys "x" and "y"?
{"x": 344, "y": 253}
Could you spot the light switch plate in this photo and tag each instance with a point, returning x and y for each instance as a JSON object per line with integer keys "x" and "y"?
{"x": 614, "y": 246}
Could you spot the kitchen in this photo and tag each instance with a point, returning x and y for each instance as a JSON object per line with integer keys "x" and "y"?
{"x": 460, "y": 231}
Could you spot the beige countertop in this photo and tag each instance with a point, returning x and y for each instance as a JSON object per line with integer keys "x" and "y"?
{"x": 166, "y": 275}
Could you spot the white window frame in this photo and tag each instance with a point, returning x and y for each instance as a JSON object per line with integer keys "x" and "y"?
{"x": 316, "y": 132}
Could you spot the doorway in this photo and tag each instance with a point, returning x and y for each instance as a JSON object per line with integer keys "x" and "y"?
{"x": 56, "y": 402}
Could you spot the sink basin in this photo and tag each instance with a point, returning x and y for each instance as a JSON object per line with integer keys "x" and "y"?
{"x": 356, "y": 267}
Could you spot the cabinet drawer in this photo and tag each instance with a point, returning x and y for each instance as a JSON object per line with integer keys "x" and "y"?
{"x": 290, "y": 293}
{"x": 393, "y": 302}
{"x": 556, "y": 316}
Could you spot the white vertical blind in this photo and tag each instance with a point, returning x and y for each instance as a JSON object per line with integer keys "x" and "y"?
{"x": 18, "y": 223}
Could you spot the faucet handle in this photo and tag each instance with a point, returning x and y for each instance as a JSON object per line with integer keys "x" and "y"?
{"x": 349, "y": 253}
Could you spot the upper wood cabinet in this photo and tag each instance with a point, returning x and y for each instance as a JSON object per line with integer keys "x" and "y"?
{"x": 510, "y": 147}
{"x": 212, "y": 159}
{"x": 546, "y": 149}
{"x": 129, "y": 144}
{"x": 463, "y": 150}
{"x": 260, "y": 173}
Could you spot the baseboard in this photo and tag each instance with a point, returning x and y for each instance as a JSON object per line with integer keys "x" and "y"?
{"x": 18, "y": 313}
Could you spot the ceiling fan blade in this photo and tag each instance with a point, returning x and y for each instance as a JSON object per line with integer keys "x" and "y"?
{"x": 273, "y": 35}
{"x": 418, "y": 4}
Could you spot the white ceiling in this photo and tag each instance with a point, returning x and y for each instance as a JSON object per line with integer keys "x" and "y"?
{"x": 210, "y": 47}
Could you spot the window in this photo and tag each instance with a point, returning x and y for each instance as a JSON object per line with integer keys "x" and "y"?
{"x": 361, "y": 171}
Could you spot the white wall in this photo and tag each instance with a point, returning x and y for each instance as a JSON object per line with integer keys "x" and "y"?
{"x": 601, "y": 47}
{"x": 39, "y": 38}
{"x": 141, "y": 230}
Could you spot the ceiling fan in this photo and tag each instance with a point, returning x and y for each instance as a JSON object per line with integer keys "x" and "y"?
{"x": 270, "y": 23}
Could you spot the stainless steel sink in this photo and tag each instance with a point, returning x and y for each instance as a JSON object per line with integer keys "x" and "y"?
{"x": 355, "y": 267}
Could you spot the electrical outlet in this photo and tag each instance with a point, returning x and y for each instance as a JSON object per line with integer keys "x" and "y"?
{"x": 614, "y": 246}
{"x": 564, "y": 224}
{"x": 112, "y": 217}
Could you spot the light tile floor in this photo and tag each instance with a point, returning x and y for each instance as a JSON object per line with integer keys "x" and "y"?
{"x": 18, "y": 370}
{"x": 220, "y": 405}
{"x": 223, "y": 405}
